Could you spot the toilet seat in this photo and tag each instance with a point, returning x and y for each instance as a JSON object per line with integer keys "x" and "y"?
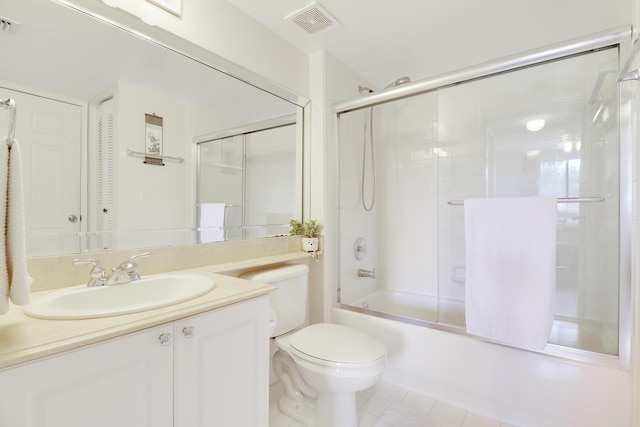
{"x": 336, "y": 345}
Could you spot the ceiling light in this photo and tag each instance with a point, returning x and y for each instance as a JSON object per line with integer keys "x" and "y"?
{"x": 535, "y": 125}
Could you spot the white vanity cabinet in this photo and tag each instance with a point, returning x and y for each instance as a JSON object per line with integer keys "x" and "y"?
{"x": 206, "y": 370}
{"x": 221, "y": 375}
{"x": 121, "y": 382}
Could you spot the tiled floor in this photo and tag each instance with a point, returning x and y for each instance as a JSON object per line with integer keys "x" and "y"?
{"x": 386, "y": 405}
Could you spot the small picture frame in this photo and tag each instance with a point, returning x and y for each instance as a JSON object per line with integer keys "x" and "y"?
{"x": 153, "y": 139}
{"x": 172, "y": 6}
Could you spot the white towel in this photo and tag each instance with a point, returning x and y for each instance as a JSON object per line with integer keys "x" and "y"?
{"x": 14, "y": 278}
{"x": 212, "y": 222}
{"x": 510, "y": 269}
{"x": 4, "y": 181}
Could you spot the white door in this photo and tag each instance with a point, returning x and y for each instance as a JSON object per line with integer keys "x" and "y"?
{"x": 49, "y": 133}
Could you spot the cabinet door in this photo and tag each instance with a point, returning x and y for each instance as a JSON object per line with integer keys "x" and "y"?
{"x": 123, "y": 382}
{"x": 222, "y": 367}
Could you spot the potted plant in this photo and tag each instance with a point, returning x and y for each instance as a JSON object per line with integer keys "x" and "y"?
{"x": 310, "y": 232}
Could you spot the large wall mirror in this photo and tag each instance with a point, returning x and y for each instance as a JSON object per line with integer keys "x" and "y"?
{"x": 132, "y": 137}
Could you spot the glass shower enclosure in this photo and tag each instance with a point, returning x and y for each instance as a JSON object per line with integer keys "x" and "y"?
{"x": 407, "y": 165}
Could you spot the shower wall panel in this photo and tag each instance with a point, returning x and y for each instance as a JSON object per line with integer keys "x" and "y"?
{"x": 408, "y": 188}
{"x": 354, "y": 221}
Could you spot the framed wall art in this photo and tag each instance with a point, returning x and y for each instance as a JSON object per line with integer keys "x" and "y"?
{"x": 153, "y": 139}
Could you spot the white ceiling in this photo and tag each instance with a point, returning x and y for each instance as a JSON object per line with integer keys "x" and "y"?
{"x": 386, "y": 39}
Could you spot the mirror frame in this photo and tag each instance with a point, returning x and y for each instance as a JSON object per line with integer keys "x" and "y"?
{"x": 136, "y": 27}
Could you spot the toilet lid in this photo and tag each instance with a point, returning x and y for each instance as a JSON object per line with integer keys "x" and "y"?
{"x": 336, "y": 343}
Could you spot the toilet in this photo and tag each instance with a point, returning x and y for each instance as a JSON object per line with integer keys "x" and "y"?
{"x": 321, "y": 366}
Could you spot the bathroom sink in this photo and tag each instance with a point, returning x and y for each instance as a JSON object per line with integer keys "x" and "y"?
{"x": 82, "y": 302}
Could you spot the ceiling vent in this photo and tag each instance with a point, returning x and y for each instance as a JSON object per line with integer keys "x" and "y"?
{"x": 312, "y": 18}
{"x": 6, "y": 24}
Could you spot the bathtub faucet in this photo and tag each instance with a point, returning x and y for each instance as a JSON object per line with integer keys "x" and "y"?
{"x": 367, "y": 273}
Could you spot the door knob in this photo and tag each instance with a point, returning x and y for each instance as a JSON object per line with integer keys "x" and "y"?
{"x": 73, "y": 218}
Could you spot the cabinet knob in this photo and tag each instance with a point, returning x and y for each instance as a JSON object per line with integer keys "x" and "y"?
{"x": 189, "y": 331}
{"x": 165, "y": 339}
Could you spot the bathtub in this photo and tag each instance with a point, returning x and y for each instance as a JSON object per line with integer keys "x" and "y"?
{"x": 499, "y": 382}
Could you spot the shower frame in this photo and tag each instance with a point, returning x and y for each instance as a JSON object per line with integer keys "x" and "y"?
{"x": 242, "y": 133}
{"x": 621, "y": 38}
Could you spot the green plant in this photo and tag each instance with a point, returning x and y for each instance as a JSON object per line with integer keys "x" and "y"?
{"x": 297, "y": 229}
{"x": 305, "y": 229}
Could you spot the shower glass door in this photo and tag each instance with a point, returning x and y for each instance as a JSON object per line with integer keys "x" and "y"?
{"x": 251, "y": 177}
{"x": 388, "y": 198}
{"x": 477, "y": 139}
{"x": 491, "y": 148}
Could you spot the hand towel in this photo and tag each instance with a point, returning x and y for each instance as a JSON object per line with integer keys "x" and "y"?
{"x": 510, "y": 269}
{"x": 4, "y": 181}
{"x": 19, "y": 279}
{"x": 212, "y": 222}
{"x": 14, "y": 278}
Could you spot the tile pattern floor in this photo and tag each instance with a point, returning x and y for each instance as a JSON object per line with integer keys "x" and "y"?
{"x": 386, "y": 405}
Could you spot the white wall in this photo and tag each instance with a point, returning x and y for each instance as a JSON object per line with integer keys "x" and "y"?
{"x": 331, "y": 81}
{"x": 150, "y": 197}
{"x": 159, "y": 199}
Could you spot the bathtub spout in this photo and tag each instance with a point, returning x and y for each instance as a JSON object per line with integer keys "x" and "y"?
{"x": 367, "y": 273}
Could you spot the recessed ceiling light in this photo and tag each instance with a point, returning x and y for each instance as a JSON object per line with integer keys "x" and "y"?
{"x": 535, "y": 125}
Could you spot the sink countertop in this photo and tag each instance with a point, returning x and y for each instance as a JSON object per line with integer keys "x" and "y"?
{"x": 23, "y": 338}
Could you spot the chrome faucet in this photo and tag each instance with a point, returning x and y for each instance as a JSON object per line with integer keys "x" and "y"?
{"x": 98, "y": 275}
{"x": 367, "y": 273}
{"x": 124, "y": 273}
{"x": 127, "y": 271}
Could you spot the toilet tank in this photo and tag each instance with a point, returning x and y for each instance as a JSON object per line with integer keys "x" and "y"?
{"x": 289, "y": 301}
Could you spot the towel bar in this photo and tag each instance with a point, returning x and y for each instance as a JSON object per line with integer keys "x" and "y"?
{"x": 560, "y": 200}
{"x": 139, "y": 154}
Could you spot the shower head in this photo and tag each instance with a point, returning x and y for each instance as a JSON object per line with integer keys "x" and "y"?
{"x": 400, "y": 81}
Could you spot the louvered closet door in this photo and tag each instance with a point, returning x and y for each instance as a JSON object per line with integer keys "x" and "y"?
{"x": 105, "y": 169}
{"x": 50, "y": 136}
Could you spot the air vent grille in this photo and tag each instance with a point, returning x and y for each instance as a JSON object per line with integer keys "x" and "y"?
{"x": 312, "y": 18}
